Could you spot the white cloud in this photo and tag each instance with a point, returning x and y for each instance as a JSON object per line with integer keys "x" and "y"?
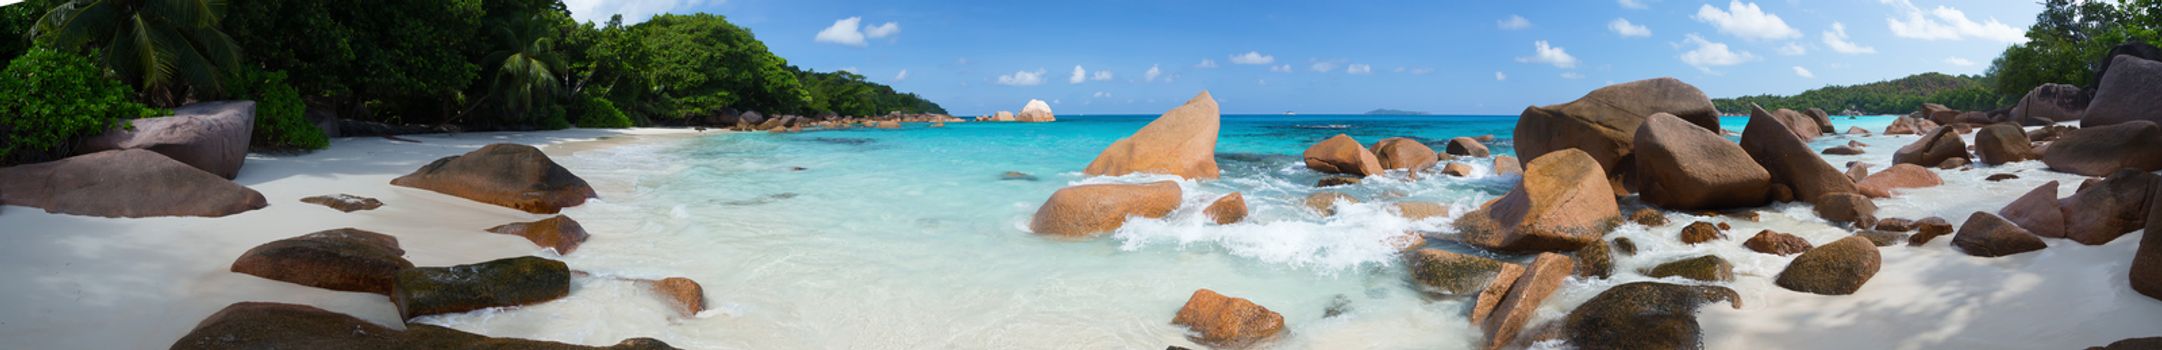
{"x": 882, "y": 30}
{"x": 1962, "y": 62}
{"x": 599, "y": 11}
{"x": 1101, "y": 94}
{"x": 844, "y": 32}
{"x": 1804, "y": 72}
{"x": 1947, "y": 23}
{"x": 1422, "y": 71}
{"x": 1793, "y": 49}
{"x": 1747, "y": 21}
{"x": 1634, "y": 4}
{"x": 1079, "y": 75}
{"x": 1152, "y": 73}
{"x": 1323, "y": 67}
{"x": 1100, "y": 75}
{"x": 1206, "y": 63}
{"x": 1282, "y": 68}
{"x": 1359, "y": 69}
{"x": 1710, "y": 54}
{"x": 1549, "y": 54}
{"x": 1572, "y": 75}
{"x": 1499, "y": 76}
{"x": 1252, "y": 57}
{"x": 901, "y": 76}
{"x": 1514, "y": 22}
{"x": 1022, "y": 78}
{"x": 1837, "y": 40}
{"x": 1625, "y": 29}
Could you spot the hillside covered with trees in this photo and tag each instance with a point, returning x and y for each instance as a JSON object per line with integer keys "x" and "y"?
{"x": 1897, "y": 96}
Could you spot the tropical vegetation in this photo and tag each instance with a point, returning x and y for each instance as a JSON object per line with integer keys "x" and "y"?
{"x": 53, "y": 98}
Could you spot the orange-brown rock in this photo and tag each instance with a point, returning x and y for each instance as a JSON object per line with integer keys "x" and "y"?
{"x": 1181, "y": 142}
{"x": 2003, "y": 143}
{"x": 1093, "y": 209}
{"x": 1681, "y": 166}
{"x": 124, "y": 184}
{"x": 2101, "y": 150}
{"x": 1227, "y": 321}
{"x": 1507, "y": 165}
{"x": 559, "y": 233}
{"x": 1562, "y": 204}
{"x": 261, "y": 325}
{"x": 1933, "y": 149}
{"x": 684, "y": 294}
{"x": 1497, "y": 288}
{"x": 1226, "y": 210}
{"x": 1456, "y": 169}
{"x": 1776, "y": 243}
{"x": 1468, "y": 147}
{"x": 1838, "y": 268}
{"x": 1603, "y": 123}
{"x": 1544, "y": 275}
{"x": 1700, "y": 232}
{"x": 1928, "y": 229}
{"x": 1421, "y": 210}
{"x": 2109, "y": 209}
{"x": 1406, "y": 154}
{"x": 1648, "y": 217}
{"x": 1846, "y": 208}
{"x": 510, "y": 175}
{"x": 1989, "y": 236}
{"x": 1787, "y": 158}
{"x": 343, "y": 260}
{"x": 1324, "y": 203}
{"x": 1899, "y": 176}
{"x": 1342, "y": 155}
{"x": 2037, "y": 211}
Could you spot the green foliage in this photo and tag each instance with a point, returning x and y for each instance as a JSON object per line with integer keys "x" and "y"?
{"x": 2067, "y": 42}
{"x": 280, "y": 116}
{"x": 847, "y": 93}
{"x": 172, "y": 49}
{"x": 15, "y": 23}
{"x": 49, "y": 99}
{"x": 393, "y": 61}
{"x": 553, "y": 117}
{"x": 599, "y": 113}
{"x": 1898, "y": 96}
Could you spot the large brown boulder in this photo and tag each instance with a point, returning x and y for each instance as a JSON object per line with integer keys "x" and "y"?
{"x": 1845, "y": 208}
{"x": 2003, "y": 143}
{"x": 2098, "y": 151}
{"x": 2037, "y": 212}
{"x": 2147, "y": 261}
{"x": 212, "y": 136}
{"x": 262, "y": 325}
{"x": 2049, "y": 104}
{"x": 1932, "y": 149}
{"x": 1789, "y": 160}
{"x": 1181, "y": 142}
{"x": 1541, "y": 278}
{"x": 559, "y": 233}
{"x": 1562, "y": 204}
{"x": 1448, "y": 274}
{"x": 1644, "y": 315}
{"x": 1939, "y": 113}
{"x": 1904, "y": 125}
{"x": 1684, "y": 167}
{"x": 1899, "y": 176}
{"x": 1092, "y": 209}
{"x": 343, "y": 259}
{"x": 1603, "y": 123}
{"x": 1342, "y": 155}
{"x": 1986, "y": 235}
{"x": 124, "y": 184}
{"x": 1801, "y": 125}
{"x": 2131, "y": 90}
{"x": 2109, "y": 209}
{"x": 510, "y": 175}
{"x": 516, "y": 281}
{"x": 1405, "y": 153}
{"x": 1468, "y": 147}
{"x": 1226, "y": 210}
{"x": 1824, "y": 120}
{"x": 1227, "y": 321}
{"x": 1838, "y": 268}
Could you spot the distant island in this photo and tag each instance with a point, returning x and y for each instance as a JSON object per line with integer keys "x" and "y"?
{"x": 1386, "y": 111}
{"x": 1897, "y": 96}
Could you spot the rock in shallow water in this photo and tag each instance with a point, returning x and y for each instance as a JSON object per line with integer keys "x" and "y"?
{"x": 1989, "y": 236}
{"x": 261, "y": 325}
{"x": 510, "y": 175}
{"x": 2099, "y": 151}
{"x": 1449, "y": 274}
{"x": 2106, "y": 210}
{"x": 506, "y": 282}
{"x": 1405, "y": 154}
{"x": 1708, "y": 268}
{"x": 1601, "y": 123}
{"x": 1342, "y": 155}
{"x": 1181, "y": 142}
{"x": 1700, "y": 232}
{"x": 1681, "y": 166}
{"x": 1093, "y": 209}
{"x": 1644, "y": 315}
{"x": 1776, "y": 243}
{"x": 559, "y": 233}
{"x": 2037, "y": 211}
{"x": 1227, "y": 321}
{"x": 344, "y": 259}
{"x": 1226, "y": 210}
{"x": 1562, "y": 204}
{"x": 1541, "y": 278}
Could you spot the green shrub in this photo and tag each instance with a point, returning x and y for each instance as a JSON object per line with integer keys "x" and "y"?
{"x": 599, "y": 113}
{"x": 280, "y": 116}
{"x": 50, "y": 99}
{"x": 553, "y": 118}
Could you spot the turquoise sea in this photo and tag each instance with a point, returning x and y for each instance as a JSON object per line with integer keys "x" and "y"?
{"x": 910, "y": 239}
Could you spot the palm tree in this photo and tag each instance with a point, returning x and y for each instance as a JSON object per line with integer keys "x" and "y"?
{"x": 169, "y": 48}
{"x": 525, "y": 75}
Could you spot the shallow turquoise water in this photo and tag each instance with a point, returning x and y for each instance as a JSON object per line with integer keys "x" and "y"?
{"x": 908, "y": 239}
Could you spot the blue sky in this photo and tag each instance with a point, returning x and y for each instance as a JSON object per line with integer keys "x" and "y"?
{"x": 1454, "y": 57}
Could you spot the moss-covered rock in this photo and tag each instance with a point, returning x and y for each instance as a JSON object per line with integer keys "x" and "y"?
{"x": 505, "y": 282}
{"x": 1644, "y": 315}
{"x": 1838, "y": 268}
{"x": 1709, "y": 268}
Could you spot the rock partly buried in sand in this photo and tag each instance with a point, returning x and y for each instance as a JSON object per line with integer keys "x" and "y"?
{"x": 505, "y": 282}
{"x": 509, "y": 175}
{"x": 1899, "y": 176}
{"x": 1986, "y": 235}
{"x": 1838, "y": 268}
{"x": 343, "y": 260}
{"x": 559, "y": 233}
{"x": 1181, "y": 142}
{"x": 2128, "y": 92}
{"x": 1932, "y": 149}
{"x": 1789, "y": 161}
{"x": 1325, "y": 203}
{"x": 1775, "y": 243}
{"x": 1468, "y": 147}
{"x": 2109, "y": 209}
{"x": 1681, "y": 166}
{"x": 1406, "y": 154}
{"x": 1451, "y": 274}
{"x": 1227, "y": 321}
{"x": 2147, "y": 261}
{"x": 1092, "y": 209}
{"x": 212, "y": 136}
{"x": 2098, "y": 151}
{"x": 1700, "y": 232}
{"x": 1708, "y": 268}
{"x": 1544, "y": 275}
{"x": 262, "y": 325}
{"x": 1846, "y": 208}
{"x": 1342, "y": 155}
{"x": 1603, "y": 123}
{"x": 2003, "y": 143}
{"x": 1562, "y": 204}
{"x": 684, "y": 294}
{"x": 1421, "y": 210}
{"x": 1644, "y": 315}
{"x": 2037, "y": 212}
{"x": 1226, "y": 210}
{"x": 2049, "y": 104}
{"x": 344, "y": 202}
{"x": 124, "y": 184}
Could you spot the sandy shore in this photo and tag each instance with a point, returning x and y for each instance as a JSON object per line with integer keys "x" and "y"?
{"x": 78, "y": 282}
